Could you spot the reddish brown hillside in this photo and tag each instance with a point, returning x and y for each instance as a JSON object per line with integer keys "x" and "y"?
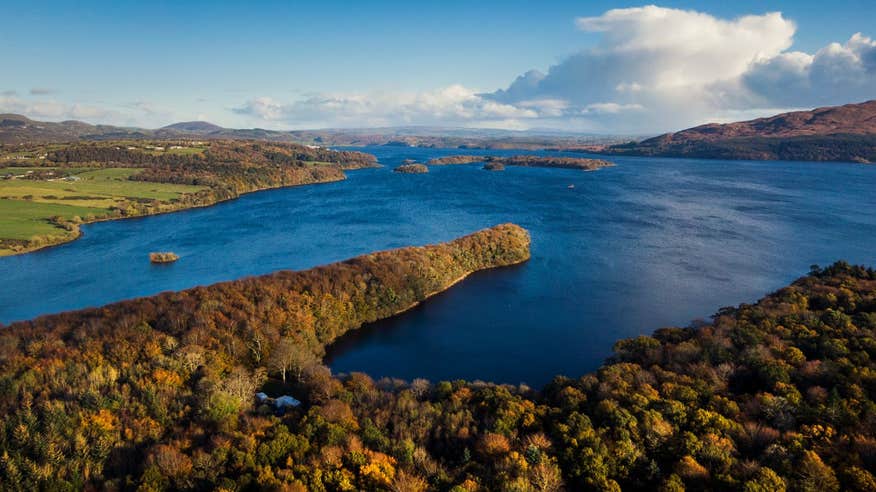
{"x": 840, "y": 133}
{"x": 856, "y": 119}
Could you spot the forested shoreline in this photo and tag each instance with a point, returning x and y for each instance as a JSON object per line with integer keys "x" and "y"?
{"x": 106, "y": 396}
{"x": 157, "y": 393}
{"x": 817, "y": 148}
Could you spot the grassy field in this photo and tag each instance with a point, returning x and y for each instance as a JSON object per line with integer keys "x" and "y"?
{"x": 21, "y": 219}
{"x": 179, "y": 151}
{"x": 13, "y": 171}
{"x": 101, "y": 185}
{"x": 48, "y": 190}
{"x": 27, "y": 205}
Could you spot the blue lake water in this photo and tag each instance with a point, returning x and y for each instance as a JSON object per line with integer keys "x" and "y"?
{"x": 646, "y": 244}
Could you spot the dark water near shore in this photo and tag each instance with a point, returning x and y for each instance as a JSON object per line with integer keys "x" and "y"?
{"x": 649, "y": 243}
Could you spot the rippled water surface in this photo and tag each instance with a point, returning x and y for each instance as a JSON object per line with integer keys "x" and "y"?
{"x": 649, "y": 243}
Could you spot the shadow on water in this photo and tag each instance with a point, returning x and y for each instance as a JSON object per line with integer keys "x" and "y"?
{"x": 405, "y": 325}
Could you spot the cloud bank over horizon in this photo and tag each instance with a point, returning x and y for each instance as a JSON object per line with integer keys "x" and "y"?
{"x": 654, "y": 69}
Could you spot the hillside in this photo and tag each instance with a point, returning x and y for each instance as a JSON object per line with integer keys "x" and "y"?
{"x": 15, "y": 129}
{"x": 840, "y": 133}
{"x": 851, "y": 119}
{"x": 194, "y": 127}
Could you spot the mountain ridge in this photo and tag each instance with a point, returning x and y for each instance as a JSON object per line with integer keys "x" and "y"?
{"x": 844, "y": 133}
{"x": 831, "y": 133}
{"x": 18, "y": 129}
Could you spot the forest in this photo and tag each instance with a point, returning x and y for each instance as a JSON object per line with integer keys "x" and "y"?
{"x": 838, "y": 147}
{"x": 44, "y": 199}
{"x": 157, "y": 393}
{"x": 108, "y": 397}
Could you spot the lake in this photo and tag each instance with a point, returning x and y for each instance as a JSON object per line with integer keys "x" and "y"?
{"x": 646, "y": 244}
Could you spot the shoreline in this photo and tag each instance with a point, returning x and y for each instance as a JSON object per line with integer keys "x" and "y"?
{"x": 326, "y": 357}
{"x": 77, "y": 231}
{"x": 453, "y": 283}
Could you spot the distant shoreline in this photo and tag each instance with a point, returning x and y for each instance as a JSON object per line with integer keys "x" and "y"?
{"x": 77, "y": 231}
{"x": 59, "y": 188}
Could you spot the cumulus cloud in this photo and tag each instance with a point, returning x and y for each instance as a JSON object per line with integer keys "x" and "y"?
{"x": 451, "y": 105}
{"x": 654, "y": 69}
{"x": 658, "y": 69}
{"x": 51, "y": 110}
{"x": 138, "y": 113}
{"x": 836, "y": 73}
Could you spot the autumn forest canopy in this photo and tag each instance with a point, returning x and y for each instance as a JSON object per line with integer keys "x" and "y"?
{"x": 528, "y": 247}
{"x": 158, "y": 393}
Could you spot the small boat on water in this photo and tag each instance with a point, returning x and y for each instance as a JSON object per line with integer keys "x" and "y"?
{"x": 571, "y": 187}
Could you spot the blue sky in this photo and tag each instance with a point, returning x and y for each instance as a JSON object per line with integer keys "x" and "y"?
{"x": 297, "y": 64}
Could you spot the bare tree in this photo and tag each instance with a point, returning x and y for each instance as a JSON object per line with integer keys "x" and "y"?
{"x": 255, "y": 346}
{"x": 242, "y": 384}
{"x": 289, "y": 356}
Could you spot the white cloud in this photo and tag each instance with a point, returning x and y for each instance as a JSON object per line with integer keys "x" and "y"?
{"x": 138, "y": 113}
{"x": 836, "y": 74}
{"x": 450, "y": 105}
{"x": 50, "y": 109}
{"x": 611, "y": 108}
{"x": 654, "y": 69}
{"x": 659, "y": 47}
{"x": 658, "y": 69}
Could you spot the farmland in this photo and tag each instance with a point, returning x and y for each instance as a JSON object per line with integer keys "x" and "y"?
{"x": 47, "y": 191}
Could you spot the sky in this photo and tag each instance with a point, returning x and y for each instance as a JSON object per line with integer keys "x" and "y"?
{"x": 584, "y": 66}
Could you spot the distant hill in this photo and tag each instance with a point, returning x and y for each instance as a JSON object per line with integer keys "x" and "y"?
{"x": 194, "y": 126}
{"x": 839, "y": 133}
{"x": 15, "y": 129}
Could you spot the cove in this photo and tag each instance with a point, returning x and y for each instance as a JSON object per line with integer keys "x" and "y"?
{"x": 645, "y": 244}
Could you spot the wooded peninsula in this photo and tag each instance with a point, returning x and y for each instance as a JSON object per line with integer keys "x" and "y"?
{"x": 159, "y": 393}
{"x": 48, "y": 190}
{"x": 109, "y": 396}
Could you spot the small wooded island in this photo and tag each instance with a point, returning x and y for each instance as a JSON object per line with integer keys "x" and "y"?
{"x": 494, "y": 166}
{"x": 581, "y": 163}
{"x": 163, "y": 257}
{"x": 412, "y": 169}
